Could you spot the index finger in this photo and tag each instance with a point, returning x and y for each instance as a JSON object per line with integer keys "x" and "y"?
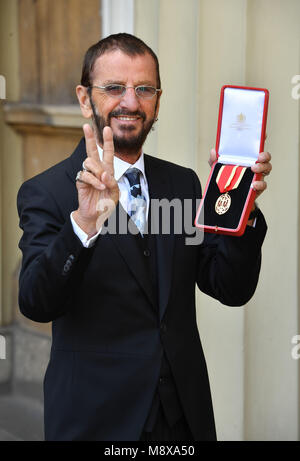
{"x": 108, "y": 146}
{"x": 90, "y": 142}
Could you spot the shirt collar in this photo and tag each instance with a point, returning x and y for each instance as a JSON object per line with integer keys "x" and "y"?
{"x": 120, "y": 166}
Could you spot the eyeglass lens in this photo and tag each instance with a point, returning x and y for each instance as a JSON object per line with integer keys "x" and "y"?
{"x": 120, "y": 90}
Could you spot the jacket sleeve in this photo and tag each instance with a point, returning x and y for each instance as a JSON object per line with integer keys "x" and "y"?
{"x": 228, "y": 267}
{"x": 52, "y": 255}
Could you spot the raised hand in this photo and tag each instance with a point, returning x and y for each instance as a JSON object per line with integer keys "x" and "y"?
{"x": 264, "y": 167}
{"x": 98, "y": 191}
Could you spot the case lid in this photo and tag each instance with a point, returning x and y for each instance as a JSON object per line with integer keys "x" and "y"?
{"x": 241, "y": 126}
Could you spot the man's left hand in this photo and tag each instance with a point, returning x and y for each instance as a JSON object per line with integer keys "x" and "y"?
{"x": 262, "y": 166}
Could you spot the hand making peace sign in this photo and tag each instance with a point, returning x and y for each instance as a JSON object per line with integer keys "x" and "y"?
{"x": 98, "y": 191}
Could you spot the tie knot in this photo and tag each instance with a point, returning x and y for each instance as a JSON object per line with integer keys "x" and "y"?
{"x": 133, "y": 176}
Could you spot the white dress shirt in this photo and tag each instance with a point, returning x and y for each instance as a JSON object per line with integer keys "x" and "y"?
{"x": 120, "y": 167}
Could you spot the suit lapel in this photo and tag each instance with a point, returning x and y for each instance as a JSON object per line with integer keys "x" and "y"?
{"x": 160, "y": 188}
{"x": 131, "y": 248}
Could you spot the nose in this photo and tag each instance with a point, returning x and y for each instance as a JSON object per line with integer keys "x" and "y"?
{"x": 130, "y": 100}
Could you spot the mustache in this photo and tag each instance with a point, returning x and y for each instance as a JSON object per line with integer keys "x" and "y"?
{"x": 119, "y": 112}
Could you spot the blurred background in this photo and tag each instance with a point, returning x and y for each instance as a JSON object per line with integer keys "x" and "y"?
{"x": 251, "y": 352}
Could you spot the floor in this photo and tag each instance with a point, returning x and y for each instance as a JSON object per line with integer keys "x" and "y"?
{"x": 21, "y": 418}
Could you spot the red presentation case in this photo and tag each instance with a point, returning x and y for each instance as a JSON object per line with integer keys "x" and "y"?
{"x": 240, "y": 138}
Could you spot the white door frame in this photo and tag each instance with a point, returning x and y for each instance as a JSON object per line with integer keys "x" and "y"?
{"x": 117, "y": 16}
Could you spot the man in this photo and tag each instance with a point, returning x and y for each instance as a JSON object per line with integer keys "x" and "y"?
{"x": 126, "y": 360}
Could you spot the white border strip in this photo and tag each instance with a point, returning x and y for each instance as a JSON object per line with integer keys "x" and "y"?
{"x": 117, "y": 16}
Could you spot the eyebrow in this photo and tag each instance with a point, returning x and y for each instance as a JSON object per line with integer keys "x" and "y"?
{"x": 119, "y": 82}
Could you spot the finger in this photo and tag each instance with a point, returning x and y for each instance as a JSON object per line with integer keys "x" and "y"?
{"x": 87, "y": 178}
{"x": 259, "y": 186}
{"x": 94, "y": 167}
{"x": 262, "y": 168}
{"x": 212, "y": 157}
{"x": 108, "y": 180}
{"x": 108, "y": 147}
{"x": 264, "y": 157}
{"x": 90, "y": 142}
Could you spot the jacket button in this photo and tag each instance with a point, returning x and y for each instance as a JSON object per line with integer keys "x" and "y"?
{"x": 68, "y": 264}
{"x": 163, "y": 327}
{"x": 147, "y": 253}
{"x": 161, "y": 380}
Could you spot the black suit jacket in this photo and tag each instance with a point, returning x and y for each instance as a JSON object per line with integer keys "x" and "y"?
{"x": 109, "y": 330}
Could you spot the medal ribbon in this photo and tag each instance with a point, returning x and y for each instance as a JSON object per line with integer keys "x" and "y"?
{"x": 229, "y": 177}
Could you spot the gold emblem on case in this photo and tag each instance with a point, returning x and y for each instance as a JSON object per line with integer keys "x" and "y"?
{"x": 240, "y": 123}
{"x": 241, "y": 117}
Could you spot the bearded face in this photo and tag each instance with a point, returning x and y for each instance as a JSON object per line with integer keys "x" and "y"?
{"x": 127, "y": 139}
{"x": 130, "y": 116}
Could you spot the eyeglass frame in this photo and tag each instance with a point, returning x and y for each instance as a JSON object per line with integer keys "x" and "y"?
{"x": 157, "y": 90}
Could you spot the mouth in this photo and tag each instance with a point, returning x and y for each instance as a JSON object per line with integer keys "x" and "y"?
{"x": 127, "y": 118}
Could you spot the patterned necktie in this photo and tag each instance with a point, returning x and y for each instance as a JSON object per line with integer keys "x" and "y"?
{"x": 137, "y": 205}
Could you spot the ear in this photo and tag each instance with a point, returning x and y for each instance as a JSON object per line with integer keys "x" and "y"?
{"x": 157, "y": 104}
{"x": 84, "y": 101}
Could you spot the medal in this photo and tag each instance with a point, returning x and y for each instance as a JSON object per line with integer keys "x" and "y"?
{"x": 223, "y": 203}
{"x": 228, "y": 178}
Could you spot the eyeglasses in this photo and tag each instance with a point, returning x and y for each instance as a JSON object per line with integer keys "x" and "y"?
{"x": 118, "y": 91}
